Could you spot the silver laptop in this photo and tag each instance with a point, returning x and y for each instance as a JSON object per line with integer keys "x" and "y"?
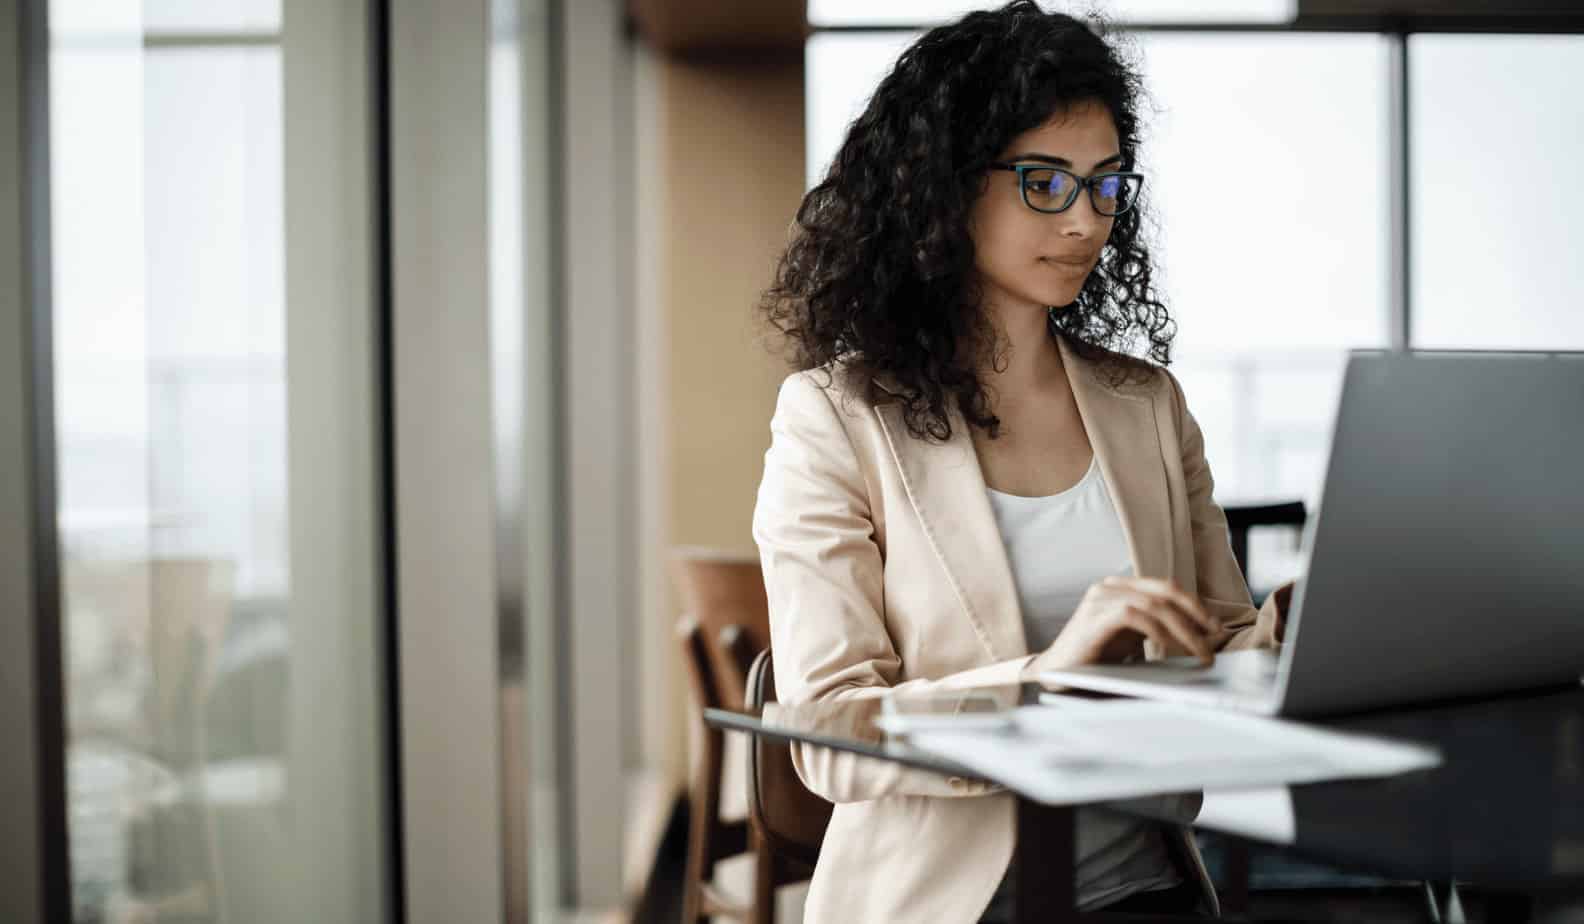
{"x": 1447, "y": 557}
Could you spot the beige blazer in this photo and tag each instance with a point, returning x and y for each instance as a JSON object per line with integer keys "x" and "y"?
{"x": 885, "y": 570}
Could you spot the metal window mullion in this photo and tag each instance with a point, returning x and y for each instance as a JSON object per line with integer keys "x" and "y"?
{"x": 210, "y": 39}
{"x": 380, "y": 137}
{"x": 1399, "y": 327}
{"x": 35, "y": 859}
{"x": 158, "y": 40}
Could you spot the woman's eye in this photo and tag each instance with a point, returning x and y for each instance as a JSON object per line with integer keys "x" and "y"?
{"x": 1045, "y": 184}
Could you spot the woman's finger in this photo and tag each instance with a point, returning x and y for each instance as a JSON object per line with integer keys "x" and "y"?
{"x": 1185, "y": 601}
{"x": 1179, "y": 625}
{"x": 1144, "y": 624}
{"x": 1169, "y": 603}
{"x": 1189, "y": 634}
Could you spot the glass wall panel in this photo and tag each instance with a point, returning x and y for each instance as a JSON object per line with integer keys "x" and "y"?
{"x": 216, "y": 423}
{"x": 211, "y": 16}
{"x": 1271, "y": 187}
{"x": 840, "y": 74}
{"x": 1490, "y": 114}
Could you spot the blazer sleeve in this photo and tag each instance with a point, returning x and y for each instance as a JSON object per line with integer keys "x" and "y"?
{"x": 1221, "y": 585}
{"x": 823, "y": 575}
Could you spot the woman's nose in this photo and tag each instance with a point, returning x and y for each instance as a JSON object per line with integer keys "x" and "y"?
{"x": 1080, "y": 220}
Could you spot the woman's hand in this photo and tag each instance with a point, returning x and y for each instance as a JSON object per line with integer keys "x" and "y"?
{"x": 1118, "y": 613}
{"x": 1283, "y": 602}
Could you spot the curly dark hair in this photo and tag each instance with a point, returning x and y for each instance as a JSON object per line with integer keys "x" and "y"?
{"x": 879, "y": 275}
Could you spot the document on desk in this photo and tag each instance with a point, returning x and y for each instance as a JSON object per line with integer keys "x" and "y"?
{"x": 1090, "y": 751}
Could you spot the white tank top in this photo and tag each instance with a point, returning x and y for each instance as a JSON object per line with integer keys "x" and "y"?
{"x": 1058, "y": 545}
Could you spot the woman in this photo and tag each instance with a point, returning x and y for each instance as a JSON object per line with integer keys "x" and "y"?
{"x": 970, "y": 480}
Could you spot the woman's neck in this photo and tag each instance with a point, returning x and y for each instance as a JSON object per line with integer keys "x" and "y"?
{"x": 1033, "y": 360}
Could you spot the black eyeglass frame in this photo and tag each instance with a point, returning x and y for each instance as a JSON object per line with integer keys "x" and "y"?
{"x": 1080, "y": 183}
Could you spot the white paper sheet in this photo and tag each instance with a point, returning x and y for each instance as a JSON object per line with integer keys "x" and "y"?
{"x": 1265, "y": 813}
{"x": 1118, "y": 749}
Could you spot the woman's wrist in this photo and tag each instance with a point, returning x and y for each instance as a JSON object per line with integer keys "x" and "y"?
{"x": 1053, "y": 658}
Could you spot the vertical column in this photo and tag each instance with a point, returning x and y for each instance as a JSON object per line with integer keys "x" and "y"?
{"x": 444, "y": 474}
{"x": 336, "y": 753}
{"x": 33, "y": 854}
{"x": 597, "y": 316}
{"x": 20, "y": 861}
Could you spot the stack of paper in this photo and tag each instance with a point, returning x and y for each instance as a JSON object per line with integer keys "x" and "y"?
{"x": 1088, "y": 751}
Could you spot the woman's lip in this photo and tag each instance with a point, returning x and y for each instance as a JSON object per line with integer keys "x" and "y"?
{"x": 1066, "y": 262}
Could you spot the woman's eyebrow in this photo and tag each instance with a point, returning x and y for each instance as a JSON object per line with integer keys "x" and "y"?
{"x": 1062, "y": 161}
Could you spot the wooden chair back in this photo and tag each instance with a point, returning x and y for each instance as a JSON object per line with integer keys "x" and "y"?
{"x": 724, "y": 594}
{"x": 788, "y": 818}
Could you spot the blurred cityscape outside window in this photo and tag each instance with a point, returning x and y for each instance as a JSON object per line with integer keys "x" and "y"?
{"x": 1495, "y": 121}
{"x": 1268, "y": 158}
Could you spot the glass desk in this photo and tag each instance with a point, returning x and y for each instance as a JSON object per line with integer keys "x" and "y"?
{"x": 1504, "y": 811}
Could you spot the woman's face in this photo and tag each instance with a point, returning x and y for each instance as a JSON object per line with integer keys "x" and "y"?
{"x": 1030, "y": 260}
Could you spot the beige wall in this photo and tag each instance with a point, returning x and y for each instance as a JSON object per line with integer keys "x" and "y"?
{"x": 721, "y": 144}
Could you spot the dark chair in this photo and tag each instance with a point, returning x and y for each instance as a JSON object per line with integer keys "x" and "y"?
{"x": 726, "y": 627}
{"x": 1242, "y": 518}
{"x": 787, "y": 820}
{"x": 710, "y": 837}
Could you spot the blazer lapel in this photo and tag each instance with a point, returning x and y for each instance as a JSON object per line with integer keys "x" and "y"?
{"x": 1126, "y": 437}
{"x": 947, "y": 488}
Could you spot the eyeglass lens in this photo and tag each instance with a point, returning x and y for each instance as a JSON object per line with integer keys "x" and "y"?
{"x": 1052, "y": 190}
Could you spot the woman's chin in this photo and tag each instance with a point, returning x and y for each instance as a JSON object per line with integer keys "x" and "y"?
{"x": 1043, "y": 294}
{"x": 1057, "y": 297}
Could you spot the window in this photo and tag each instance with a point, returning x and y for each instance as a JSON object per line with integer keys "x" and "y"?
{"x": 214, "y": 413}
{"x": 1496, "y": 127}
{"x": 841, "y": 71}
{"x": 826, "y": 13}
{"x": 1272, "y": 287}
{"x": 209, "y": 17}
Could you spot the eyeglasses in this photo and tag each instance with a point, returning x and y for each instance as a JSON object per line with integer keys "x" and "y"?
{"x": 1052, "y": 189}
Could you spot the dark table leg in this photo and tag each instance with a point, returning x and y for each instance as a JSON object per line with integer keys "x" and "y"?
{"x": 1239, "y": 864}
{"x": 1045, "y": 862}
